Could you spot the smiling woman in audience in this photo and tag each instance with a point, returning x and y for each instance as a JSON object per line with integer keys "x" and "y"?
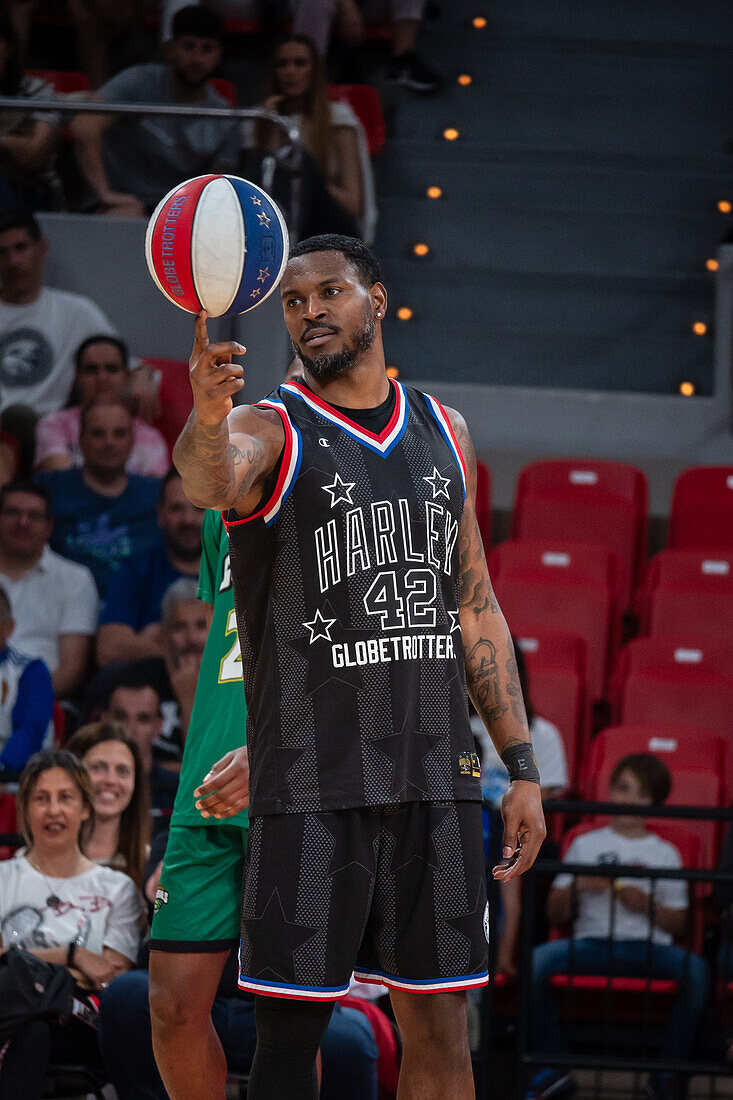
{"x": 121, "y": 831}
{"x": 61, "y": 906}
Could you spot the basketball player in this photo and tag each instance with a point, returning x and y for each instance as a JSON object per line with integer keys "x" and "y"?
{"x": 364, "y": 610}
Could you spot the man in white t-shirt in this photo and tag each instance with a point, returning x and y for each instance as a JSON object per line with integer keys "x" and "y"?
{"x": 40, "y": 327}
{"x": 54, "y": 601}
{"x": 622, "y": 926}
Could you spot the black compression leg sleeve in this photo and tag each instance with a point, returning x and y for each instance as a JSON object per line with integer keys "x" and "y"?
{"x": 289, "y": 1033}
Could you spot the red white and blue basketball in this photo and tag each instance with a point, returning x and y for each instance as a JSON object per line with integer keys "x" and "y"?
{"x": 217, "y": 243}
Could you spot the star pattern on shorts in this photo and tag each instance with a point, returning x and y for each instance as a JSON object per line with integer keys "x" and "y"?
{"x": 264, "y": 274}
{"x": 438, "y": 484}
{"x": 255, "y": 200}
{"x": 453, "y": 622}
{"x": 470, "y": 926}
{"x": 288, "y": 935}
{"x": 320, "y": 627}
{"x": 340, "y": 491}
{"x": 263, "y": 218}
{"x": 255, "y": 293}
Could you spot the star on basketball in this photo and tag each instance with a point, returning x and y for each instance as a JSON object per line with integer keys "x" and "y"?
{"x": 255, "y": 293}
{"x": 319, "y": 627}
{"x": 255, "y": 200}
{"x": 340, "y": 491}
{"x": 264, "y": 274}
{"x": 263, "y": 218}
{"x": 438, "y": 484}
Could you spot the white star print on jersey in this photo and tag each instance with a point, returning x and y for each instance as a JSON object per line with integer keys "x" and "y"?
{"x": 340, "y": 491}
{"x": 319, "y": 627}
{"x": 438, "y": 484}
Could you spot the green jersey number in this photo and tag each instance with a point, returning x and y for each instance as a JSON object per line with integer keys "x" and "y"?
{"x": 230, "y": 667}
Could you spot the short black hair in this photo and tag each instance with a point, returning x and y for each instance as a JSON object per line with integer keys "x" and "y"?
{"x": 355, "y": 251}
{"x": 115, "y": 403}
{"x": 651, "y": 773}
{"x": 102, "y": 338}
{"x": 135, "y": 677}
{"x": 24, "y": 485}
{"x": 15, "y": 217}
{"x": 172, "y": 475}
{"x": 199, "y": 22}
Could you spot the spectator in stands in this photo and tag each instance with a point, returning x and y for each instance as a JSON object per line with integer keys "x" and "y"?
{"x": 28, "y": 140}
{"x": 131, "y": 162}
{"x": 62, "y": 907}
{"x": 102, "y": 374}
{"x": 623, "y": 927}
{"x": 121, "y": 801}
{"x": 102, "y": 514}
{"x": 130, "y": 623}
{"x": 54, "y": 601}
{"x": 135, "y": 705}
{"x": 40, "y": 327}
{"x": 316, "y": 18}
{"x": 333, "y": 136}
{"x": 26, "y": 699}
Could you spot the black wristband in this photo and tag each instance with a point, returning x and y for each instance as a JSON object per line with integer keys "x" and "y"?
{"x": 70, "y": 951}
{"x": 520, "y": 763}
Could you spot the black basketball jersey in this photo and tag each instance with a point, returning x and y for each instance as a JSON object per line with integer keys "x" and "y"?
{"x": 346, "y": 587}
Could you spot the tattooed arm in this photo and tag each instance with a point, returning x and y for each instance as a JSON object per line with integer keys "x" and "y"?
{"x": 491, "y": 674}
{"x": 224, "y": 454}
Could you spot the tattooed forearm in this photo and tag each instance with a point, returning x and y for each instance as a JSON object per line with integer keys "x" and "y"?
{"x": 482, "y": 674}
{"x": 214, "y": 470}
{"x": 514, "y": 691}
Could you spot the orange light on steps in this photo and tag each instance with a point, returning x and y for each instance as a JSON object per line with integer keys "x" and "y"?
{"x": 393, "y": 372}
{"x": 712, "y": 265}
{"x": 434, "y": 192}
{"x": 421, "y": 249}
{"x": 687, "y": 389}
{"x": 724, "y": 206}
{"x": 465, "y": 79}
{"x": 699, "y": 328}
{"x": 451, "y": 134}
{"x": 404, "y": 313}
{"x": 479, "y": 22}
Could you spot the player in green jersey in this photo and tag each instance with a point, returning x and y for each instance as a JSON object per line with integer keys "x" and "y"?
{"x": 198, "y": 902}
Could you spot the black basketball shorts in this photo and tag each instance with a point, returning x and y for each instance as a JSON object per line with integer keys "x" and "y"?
{"x": 395, "y": 894}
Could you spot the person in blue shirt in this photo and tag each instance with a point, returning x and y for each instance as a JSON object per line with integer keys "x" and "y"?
{"x": 103, "y": 515}
{"x": 130, "y": 627}
{"x": 26, "y": 700}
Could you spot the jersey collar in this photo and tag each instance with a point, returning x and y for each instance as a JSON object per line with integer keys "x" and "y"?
{"x": 381, "y": 443}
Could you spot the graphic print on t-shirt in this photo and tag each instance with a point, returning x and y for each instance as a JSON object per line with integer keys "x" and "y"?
{"x": 26, "y": 357}
{"x": 346, "y": 585}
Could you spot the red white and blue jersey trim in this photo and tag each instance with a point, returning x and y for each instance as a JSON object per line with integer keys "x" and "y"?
{"x": 446, "y": 430}
{"x": 423, "y": 985}
{"x": 382, "y": 443}
{"x": 289, "y": 467}
{"x": 293, "y": 992}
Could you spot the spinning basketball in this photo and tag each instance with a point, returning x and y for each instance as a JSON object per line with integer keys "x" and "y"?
{"x": 217, "y": 243}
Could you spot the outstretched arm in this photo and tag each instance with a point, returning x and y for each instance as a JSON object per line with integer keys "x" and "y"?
{"x": 493, "y": 680}
{"x": 224, "y": 454}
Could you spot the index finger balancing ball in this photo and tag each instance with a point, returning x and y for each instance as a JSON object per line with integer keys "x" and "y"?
{"x": 217, "y": 243}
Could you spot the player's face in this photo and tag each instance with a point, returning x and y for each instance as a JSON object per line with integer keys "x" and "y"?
{"x": 106, "y": 439}
{"x": 21, "y": 262}
{"x": 293, "y": 69}
{"x": 55, "y": 811}
{"x": 111, "y": 767}
{"x": 329, "y": 313}
{"x": 187, "y": 628}
{"x": 24, "y": 525}
{"x": 137, "y": 710}
{"x": 180, "y": 521}
{"x": 102, "y": 374}
{"x": 194, "y": 59}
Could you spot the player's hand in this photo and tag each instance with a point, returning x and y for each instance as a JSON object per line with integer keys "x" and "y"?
{"x": 524, "y": 829}
{"x": 225, "y": 790}
{"x": 214, "y": 378}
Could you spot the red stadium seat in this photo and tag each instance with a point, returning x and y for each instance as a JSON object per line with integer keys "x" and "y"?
{"x": 483, "y": 502}
{"x": 586, "y": 501}
{"x": 365, "y": 103}
{"x": 561, "y": 586}
{"x": 556, "y": 674}
{"x": 689, "y": 594}
{"x": 8, "y": 822}
{"x": 62, "y": 82}
{"x": 225, "y": 88}
{"x": 698, "y": 761}
{"x": 649, "y": 654}
{"x": 176, "y": 399}
{"x": 702, "y": 509}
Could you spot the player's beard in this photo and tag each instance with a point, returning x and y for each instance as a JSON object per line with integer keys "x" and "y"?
{"x": 326, "y": 367}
